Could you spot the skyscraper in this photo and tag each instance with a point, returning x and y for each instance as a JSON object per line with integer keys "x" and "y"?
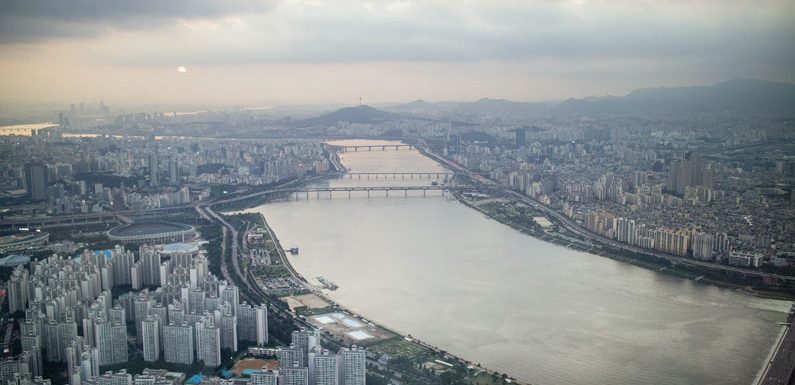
{"x": 36, "y": 179}
{"x": 521, "y": 137}
{"x": 173, "y": 171}
{"x": 154, "y": 171}
{"x": 18, "y": 289}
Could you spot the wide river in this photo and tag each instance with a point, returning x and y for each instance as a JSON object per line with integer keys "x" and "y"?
{"x": 546, "y": 314}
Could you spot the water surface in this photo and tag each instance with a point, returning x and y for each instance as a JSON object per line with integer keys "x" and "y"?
{"x": 546, "y": 314}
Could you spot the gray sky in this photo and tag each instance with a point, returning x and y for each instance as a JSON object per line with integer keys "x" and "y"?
{"x": 312, "y": 51}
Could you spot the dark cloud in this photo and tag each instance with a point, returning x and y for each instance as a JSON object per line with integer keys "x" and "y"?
{"x": 34, "y": 20}
{"x": 452, "y": 32}
{"x": 733, "y": 35}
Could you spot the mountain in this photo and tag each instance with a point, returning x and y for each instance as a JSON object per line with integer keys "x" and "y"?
{"x": 741, "y": 96}
{"x": 357, "y": 114}
{"x": 502, "y": 107}
{"x": 482, "y": 107}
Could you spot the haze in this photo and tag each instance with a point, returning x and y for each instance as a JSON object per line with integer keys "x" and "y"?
{"x": 272, "y": 52}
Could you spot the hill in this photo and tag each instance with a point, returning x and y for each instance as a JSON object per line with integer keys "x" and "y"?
{"x": 357, "y": 114}
{"x": 737, "y": 96}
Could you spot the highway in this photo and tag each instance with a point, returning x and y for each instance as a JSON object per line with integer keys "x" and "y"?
{"x": 778, "y": 370}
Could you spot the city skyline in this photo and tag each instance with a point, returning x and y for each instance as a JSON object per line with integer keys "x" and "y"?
{"x": 397, "y": 192}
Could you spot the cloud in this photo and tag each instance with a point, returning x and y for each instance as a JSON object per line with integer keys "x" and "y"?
{"x": 27, "y": 21}
{"x": 729, "y": 36}
{"x": 526, "y": 48}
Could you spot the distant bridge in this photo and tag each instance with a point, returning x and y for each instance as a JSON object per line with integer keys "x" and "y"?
{"x": 398, "y": 175}
{"x": 387, "y": 189}
{"x": 372, "y": 147}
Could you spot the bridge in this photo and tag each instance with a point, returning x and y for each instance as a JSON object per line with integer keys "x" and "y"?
{"x": 372, "y": 147}
{"x": 399, "y": 175}
{"x": 368, "y": 189}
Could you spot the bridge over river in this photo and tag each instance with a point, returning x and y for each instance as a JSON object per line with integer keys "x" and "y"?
{"x": 373, "y": 147}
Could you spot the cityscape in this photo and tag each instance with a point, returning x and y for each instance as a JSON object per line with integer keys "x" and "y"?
{"x": 260, "y": 198}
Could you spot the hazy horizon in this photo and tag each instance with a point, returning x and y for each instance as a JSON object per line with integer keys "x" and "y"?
{"x": 308, "y": 52}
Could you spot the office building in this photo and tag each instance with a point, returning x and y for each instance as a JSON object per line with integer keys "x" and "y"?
{"x": 36, "y": 180}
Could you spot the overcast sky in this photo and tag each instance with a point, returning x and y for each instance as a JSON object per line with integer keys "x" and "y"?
{"x": 314, "y": 51}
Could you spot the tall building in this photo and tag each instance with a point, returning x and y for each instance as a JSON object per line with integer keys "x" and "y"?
{"x": 137, "y": 275}
{"x": 671, "y": 241}
{"x": 252, "y": 323}
{"x": 306, "y": 339}
{"x": 323, "y": 368}
{"x": 151, "y": 266}
{"x": 117, "y": 314}
{"x": 352, "y": 366}
{"x": 151, "y": 338}
{"x": 36, "y": 180}
{"x": 688, "y": 171}
{"x": 141, "y": 304}
{"x": 161, "y": 312}
{"x": 521, "y": 137}
{"x": 111, "y": 341}
{"x": 18, "y": 289}
{"x": 58, "y": 336}
{"x": 208, "y": 342}
{"x": 123, "y": 261}
{"x": 178, "y": 343}
{"x": 176, "y": 313}
{"x": 173, "y": 171}
{"x": 702, "y": 246}
{"x": 292, "y": 356}
{"x": 154, "y": 171}
{"x": 31, "y": 342}
{"x": 228, "y": 326}
{"x": 231, "y": 295}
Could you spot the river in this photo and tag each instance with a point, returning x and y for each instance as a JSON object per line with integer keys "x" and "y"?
{"x": 546, "y": 314}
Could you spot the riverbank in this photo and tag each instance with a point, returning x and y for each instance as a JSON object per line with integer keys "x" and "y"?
{"x": 482, "y": 376}
{"x": 648, "y": 262}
